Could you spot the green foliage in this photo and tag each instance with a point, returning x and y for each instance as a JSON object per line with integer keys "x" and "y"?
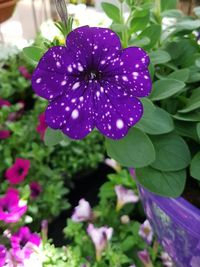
{"x": 112, "y": 11}
{"x": 34, "y": 53}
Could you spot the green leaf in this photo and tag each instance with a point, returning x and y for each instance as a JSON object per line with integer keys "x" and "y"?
{"x": 168, "y": 184}
{"x": 169, "y": 4}
{"x": 172, "y": 13}
{"x": 155, "y": 120}
{"x": 134, "y": 150}
{"x": 159, "y": 57}
{"x": 187, "y": 24}
{"x": 193, "y": 102}
{"x": 195, "y": 166}
{"x": 153, "y": 32}
{"x": 172, "y": 152}
{"x": 111, "y": 11}
{"x": 181, "y": 75}
{"x": 198, "y": 130}
{"x": 166, "y": 88}
{"x": 140, "y": 42}
{"x": 186, "y": 129}
{"x": 33, "y": 52}
{"x": 52, "y": 137}
{"x": 192, "y": 116}
{"x": 140, "y": 20}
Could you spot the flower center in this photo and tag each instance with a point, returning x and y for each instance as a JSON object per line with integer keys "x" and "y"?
{"x": 23, "y": 243}
{"x": 20, "y": 171}
{"x": 93, "y": 75}
{"x": 5, "y": 209}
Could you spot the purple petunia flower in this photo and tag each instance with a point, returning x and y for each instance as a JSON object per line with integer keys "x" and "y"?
{"x": 166, "y": 260}
{"x": 82, "y": 212}
{"x": 3, "y": 253}
{"x": 93, "y": 82}
{"x": 146, "y": 232}
{"x": 145, "y": 258}
{"x": 18, "y": 171}
{"x": 24, "y": 243}
{"x": 36, "y": 189}
{"x": 100, "y": 237}
{"x": 125, "y": 196}
{"x": 11, "y": 207}
{"x": 24, "y": 72}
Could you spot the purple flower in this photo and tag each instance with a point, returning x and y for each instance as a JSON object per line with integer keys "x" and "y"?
{"x": 146, "y": 232}
{"x": 3, "y": 253}
{"x": 11, "y": 208}
{"x": 125, "y": 196}
{"x": 93, "y": 82}
{"x": 166, "y": 260}
{"x": 36, "y": 189}
{"x": 145, "y": 258}
{"x": 100, "y": 237}
{"x": 18, "y": 171}
{"x": 4, "y": 134}
{"x": 82, "y": 212}
{"x": 24, "y": 243}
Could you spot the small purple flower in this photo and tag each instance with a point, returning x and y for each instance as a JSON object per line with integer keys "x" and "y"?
{"x": 82, "y": 212}
{"x": 24, "y": 243}
{"x": 93, "y": 82}
{"x": 41, "y": 127}
{"x": 24, "y": 72}
{"x": 125, "y": 196}
{"x": 146, "y": 232}
{"x": 166, "y": 260}
{"x": 36, "y": 189}
{"x": 11, "y": 207}
{"x": 113, "y": 164}
{"x": 100, "y": 237}
{"x": 145, "y": 258}
{"x": 3, "y": 253}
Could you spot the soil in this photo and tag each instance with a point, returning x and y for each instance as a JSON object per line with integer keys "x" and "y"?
{"x": 192, "y": 192}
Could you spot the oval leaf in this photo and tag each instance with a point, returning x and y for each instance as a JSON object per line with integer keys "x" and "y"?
{"x": 52, "y": 137}
{"x": 155, "y": 120}
{"x": 166, "y": 88}
{"x": 33, "y": 52}
{"x": 193, "y": 102}
{"x": 159, "y": 57}
{"x": 111, "y": 11}
{"x": 172, "y": 153}
{"x": 135, "y": 149}
{"x": 168, "y": 184}
{"x": 195, "y": 167}
{"x": 153, "y": 32}
{"x": 181, "y": 75}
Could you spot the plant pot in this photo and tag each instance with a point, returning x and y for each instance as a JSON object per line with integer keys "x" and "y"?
{"x": 177, "y": 225}
{"x": 6, "y": 9}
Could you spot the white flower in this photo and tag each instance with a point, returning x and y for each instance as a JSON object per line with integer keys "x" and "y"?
{"x": 113, "y": 164}
{"x": 82, "y": 212}
{"x": 100, "y": 237}
{"x": 166, "y": 259}
{"x": 146, "y": 232}
{"x": 125, "y": 196}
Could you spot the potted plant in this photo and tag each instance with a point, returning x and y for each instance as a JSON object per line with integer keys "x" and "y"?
{"x": 163, "y": 147}
{"x": 6, "y": 9}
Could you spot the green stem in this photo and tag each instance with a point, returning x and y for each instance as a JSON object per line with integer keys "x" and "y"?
{"x": 124, "y": 30}
{"x": 158, "y": 11}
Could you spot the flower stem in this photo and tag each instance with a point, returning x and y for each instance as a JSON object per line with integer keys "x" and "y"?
{"x": 124, "y": 29}
{"x": 158, "y": 11}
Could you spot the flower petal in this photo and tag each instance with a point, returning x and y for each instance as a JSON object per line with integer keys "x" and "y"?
{"x": 115, "y": 113}
{"x": 73, "y": 113}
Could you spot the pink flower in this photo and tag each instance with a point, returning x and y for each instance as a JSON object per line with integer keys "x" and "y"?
{"x": 42, "y": 126}
{"x": 11, "y": 208}
{"x": 24, "y": 72}
{"x": 4, "y": 103}
{"x": 125, "y": 196}
{"x": 146, "y": 232}
{"x": 100, "y": 237}
{"x": 36, "y": 189}
{"x": 82, "y": 212}
{"x": 166, "y": 260}
{"x": 3, "y": 253}
{"x": 18, "y": 171}
{"x": 145, "y": 258}
{"x": 4, "y": 134}
{"x": 24, "y": 243}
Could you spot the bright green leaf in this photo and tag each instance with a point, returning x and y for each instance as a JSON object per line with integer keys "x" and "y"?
{"x": 153, "y": 32}
{"x": 195, "y": 167}
{"x": 166, "y": 88}
{"x": 169, "y": 4}
{"x": 181, "y": 75}
{"x": 111, "y": 11}
{"x": 134, "y": 150}
{"x": 33, "y": 52}
{"x": 169, "y": 184}
{"x": 172, "y": 152}
{"x": 159, "y": 57}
